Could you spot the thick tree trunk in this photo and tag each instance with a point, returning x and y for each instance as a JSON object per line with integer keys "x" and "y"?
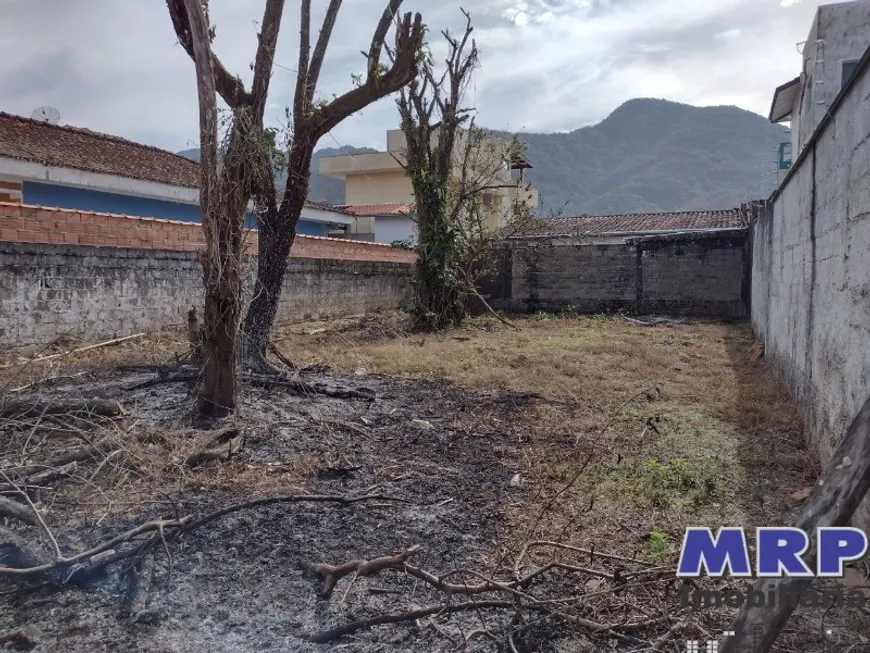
{"x": 277, "y": 234}
{"x": 221, "y": 317}
{"x": 222, "y": 229}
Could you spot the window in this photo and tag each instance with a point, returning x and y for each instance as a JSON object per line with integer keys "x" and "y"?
{"x": 849, "y": 68}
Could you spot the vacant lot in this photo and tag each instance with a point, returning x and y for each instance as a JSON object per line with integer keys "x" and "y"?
{"x": 558, "y": 462}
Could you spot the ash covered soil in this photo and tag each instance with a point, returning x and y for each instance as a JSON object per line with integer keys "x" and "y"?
{"x": 240, "y": 583}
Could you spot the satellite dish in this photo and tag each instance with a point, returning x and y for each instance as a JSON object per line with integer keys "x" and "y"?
{"x": 46, "y": 114}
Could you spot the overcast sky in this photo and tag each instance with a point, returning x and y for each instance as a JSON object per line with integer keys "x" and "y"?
{"x": 547, "y": 65}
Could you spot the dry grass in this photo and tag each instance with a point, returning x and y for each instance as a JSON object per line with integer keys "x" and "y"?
{"x": 671, "y": 425}
{"x": 716, "y": 440}
{"x": 713, "y": 418}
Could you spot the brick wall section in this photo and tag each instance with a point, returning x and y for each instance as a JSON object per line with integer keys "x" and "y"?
{"x": 51, "y": 290}
{"x": 701, "y": 274}
{"x": 39, "y": 224}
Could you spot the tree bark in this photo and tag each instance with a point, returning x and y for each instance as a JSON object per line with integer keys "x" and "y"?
{"x": 222, "y": 233}
{"x": 277, "y": 234}
{"x": 310, "y": 122}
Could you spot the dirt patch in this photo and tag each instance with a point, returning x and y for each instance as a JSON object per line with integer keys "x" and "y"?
{"x": 469, "y": 435}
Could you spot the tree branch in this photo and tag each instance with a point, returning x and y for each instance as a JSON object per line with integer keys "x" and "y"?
{"x": 374, "y": 55}
{"x": 304, "y": 57}
{"x": 340, "y": 631}
{"x": 197, "y": 33}
{"x": 268, "y": 40}
{"x": 409, "y": 40}
{"x": 320, "y": 50}
{"x": 230, "y": 87}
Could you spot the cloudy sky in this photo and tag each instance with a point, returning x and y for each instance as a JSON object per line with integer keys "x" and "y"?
{"x": 547, "y": 65}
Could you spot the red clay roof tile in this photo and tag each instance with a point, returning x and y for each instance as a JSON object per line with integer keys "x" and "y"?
{"x": 394, "y": 208}
{"x": 64, "y": 146}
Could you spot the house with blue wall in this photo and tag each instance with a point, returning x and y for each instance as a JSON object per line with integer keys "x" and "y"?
{"x": 74, "y": 168}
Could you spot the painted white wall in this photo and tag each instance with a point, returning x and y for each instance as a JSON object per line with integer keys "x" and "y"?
{"x": 840, "y": 33}
{"x": 31, "y": 171}
{"x": 390, "y": 228}
{"x": 319, "y": 215}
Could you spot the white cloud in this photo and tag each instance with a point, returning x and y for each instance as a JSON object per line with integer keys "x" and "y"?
{"x": 730, "y": 34}
{"x": 547, "y": 65}
{"x": 788, "y": 3}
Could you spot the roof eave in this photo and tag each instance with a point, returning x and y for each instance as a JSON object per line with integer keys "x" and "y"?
{"x": 783, "y": 114}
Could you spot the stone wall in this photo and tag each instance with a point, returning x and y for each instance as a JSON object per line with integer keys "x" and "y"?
{"x": 48, "y": 291}
{"x": 691, "y": 274}
{"x": 811, "y": 272}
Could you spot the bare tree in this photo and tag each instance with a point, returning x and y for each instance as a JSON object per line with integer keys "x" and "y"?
{"x": 246, "y": 169}
{"x": 225, "y": 186}
{"x": 311, "y": 119}
{"x": 454, "y": 168}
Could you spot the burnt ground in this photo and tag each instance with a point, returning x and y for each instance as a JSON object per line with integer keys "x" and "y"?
{"x": 239, "y": 583}
{"x": 466, "y": 438}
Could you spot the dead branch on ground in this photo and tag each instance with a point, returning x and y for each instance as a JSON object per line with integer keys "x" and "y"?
{"x": 340, "y": 631}
{"x": 333, "y": 573}
{"x": 91, "y": 451}
{"x": 160, "y": 531}
{"x": 79, "y": 350}
{"x": 519, "y": 590}
{"x": 292, "y": 385}
{"x": 39, "y": 407}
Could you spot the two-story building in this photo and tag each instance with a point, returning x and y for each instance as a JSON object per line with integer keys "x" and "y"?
{"x": 380, "y": 196}
{"x": 838, "y": 38}
{"x": 48, "y": 164}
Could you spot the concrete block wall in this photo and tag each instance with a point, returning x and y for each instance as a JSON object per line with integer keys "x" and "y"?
{"x": 50, "y": 290}
{"x": 102, "y": 275}
{"x": 811, "y": 273}
{"x": 693, "y": 274}
{"x": 589, "y": 278}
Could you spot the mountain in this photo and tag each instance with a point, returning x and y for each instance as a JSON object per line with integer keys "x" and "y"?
{"x": 656, "y": 155}
{"x": 648, "y": 155}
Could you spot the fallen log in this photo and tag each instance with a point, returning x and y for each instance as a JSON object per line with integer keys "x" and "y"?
{"x": 15, "y": 510}
{"x": 833, "y": 501}
{"x": 30, "y": 408}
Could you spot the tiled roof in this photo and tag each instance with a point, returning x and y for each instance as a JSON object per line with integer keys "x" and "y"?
{"x": 593, "y": 225}
{"x": 324, "y": 206}
{"x": 395, "y": 208}
{"x": 82, "y": 149}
